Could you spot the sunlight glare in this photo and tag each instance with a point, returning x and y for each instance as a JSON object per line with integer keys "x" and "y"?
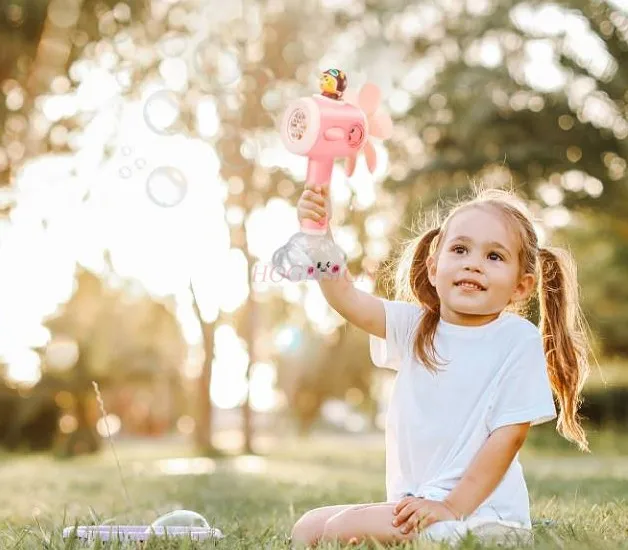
{"x": 269, "y": 227}
{"x": 185, "y": 466}
{"x": 232, "y": 279}
{"x": 109, "y": 425}
{"x": 541, "y": 69}
{"x": 23, "y": 366}
{"x": 263, "y": 393}
{"x": 228, "y": 385}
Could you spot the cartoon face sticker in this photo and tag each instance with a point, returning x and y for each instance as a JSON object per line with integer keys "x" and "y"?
{"x": 356, "y": 135}
{"x": 322, "y": 267}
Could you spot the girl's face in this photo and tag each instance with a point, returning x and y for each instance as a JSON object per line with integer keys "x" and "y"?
{"x": 476, "y": 268}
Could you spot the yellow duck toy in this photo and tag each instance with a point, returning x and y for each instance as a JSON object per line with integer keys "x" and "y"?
{"x": 333, "y": 83}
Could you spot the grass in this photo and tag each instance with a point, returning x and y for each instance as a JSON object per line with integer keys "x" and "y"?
{"x": 255, "y": 500}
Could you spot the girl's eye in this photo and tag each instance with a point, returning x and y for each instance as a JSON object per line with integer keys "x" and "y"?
{"x": 495, "y": 256}
{"x": 458, "y": 249}
{"x": 328, "y": 264}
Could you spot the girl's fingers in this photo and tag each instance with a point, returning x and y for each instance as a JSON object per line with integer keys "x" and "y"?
{"x": 403, "y": 514}
{"x": 313, "y": 197}
{"x": 402, "y": 503}
{"x": 306, "y": 213}
{"x": 320, "y": 190}
{"x": 409, "y": 525}
{"x": 414, "y": 521}
{"x": 309, "y": 205}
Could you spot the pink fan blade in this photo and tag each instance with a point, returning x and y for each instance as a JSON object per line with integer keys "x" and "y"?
{"x": 350, "y": 165}
{"x": 380, "y": 125}
{"x": 371, "y": 157}
{"x": 369, "y": 98}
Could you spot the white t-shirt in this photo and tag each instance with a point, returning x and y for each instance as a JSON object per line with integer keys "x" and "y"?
{"x": 436, "y": 423}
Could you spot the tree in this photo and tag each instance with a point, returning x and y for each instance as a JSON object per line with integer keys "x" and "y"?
{"x": 280, "y": 59}
{"x": 40, "y": 40}
{"x": 119, "y": 336}
{"x": 480, "y": 112}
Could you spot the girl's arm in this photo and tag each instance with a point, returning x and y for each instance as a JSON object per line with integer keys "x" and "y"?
{"x": 487, "y": 469}
{"x": 359, "y": 308}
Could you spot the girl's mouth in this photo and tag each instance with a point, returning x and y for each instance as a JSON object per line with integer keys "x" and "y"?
{"x": 471, "y": 285}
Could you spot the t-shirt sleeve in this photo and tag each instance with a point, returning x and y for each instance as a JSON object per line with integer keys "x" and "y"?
{"x": 401, "y": 320}
{"x": 524, "y": 393}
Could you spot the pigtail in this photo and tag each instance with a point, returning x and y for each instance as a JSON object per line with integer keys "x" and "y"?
{"x": 565, "y": 340}
{"x": 413, "y": 285}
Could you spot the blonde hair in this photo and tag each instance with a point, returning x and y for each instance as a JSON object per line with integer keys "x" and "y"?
{"x": 562, "y": 325}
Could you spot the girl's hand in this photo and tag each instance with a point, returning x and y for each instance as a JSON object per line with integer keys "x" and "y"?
{"x": 313, "y": 203}
{"x": 412, "y": 513}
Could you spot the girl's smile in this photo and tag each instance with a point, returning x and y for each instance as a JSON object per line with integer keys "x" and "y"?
{"x": 475, "y": 268}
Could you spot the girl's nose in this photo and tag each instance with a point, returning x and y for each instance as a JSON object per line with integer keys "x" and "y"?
{"x": 471, "y": 265}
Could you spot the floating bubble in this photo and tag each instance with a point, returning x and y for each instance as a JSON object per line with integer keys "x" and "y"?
{"x": 140, "y": 163}
{"x": 126, "y": 150}
{"x": 217, "y": 66}
{"x": 181, "y": 518}
{"x": 166, "y": 186}
{"x": 162, "y": 111}
{"x": 125, "y": 172}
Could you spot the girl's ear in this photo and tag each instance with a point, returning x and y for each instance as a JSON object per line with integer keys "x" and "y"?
{"x": 524, "y": 288}
{"x": 431, "y": 270}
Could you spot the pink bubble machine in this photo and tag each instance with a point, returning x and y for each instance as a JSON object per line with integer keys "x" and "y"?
{"x": 334, "y": 124}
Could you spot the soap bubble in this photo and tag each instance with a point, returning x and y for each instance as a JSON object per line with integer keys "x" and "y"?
{"x": 216, "y": 66}
{"x": 166, "y": 186}
{"x": 161, "y": 112}
{"x": 182, "y": 518}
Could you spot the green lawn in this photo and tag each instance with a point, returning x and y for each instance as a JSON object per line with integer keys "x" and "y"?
{"x": 255, "y": 500}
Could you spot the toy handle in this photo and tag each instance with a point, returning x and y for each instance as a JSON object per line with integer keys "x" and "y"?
{"x": 318, "y": 173}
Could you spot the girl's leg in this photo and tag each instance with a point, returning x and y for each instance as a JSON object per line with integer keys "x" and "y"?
{"x": 356, "y": 524}
{"x": 309, "y": 529}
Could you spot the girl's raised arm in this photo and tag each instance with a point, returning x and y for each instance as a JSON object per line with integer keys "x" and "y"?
{"x": 359, "y": 308}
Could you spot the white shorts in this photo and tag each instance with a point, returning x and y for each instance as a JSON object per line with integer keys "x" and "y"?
{"x": 485, "y": 524}
{"x": 488, "y": 530}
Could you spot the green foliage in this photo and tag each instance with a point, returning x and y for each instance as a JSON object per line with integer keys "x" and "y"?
{"x": 562, "y": 147}
{"x": 599, "y": 242}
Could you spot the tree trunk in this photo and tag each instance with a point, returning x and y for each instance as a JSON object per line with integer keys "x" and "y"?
{"x": 203, "y": 429}
{"x": 251, "y": 326}
{"x": 84, "y": 439}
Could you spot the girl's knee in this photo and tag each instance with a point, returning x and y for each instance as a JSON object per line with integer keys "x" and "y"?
{"x": 338, "y": 527}
{"x": 308, "y": 529}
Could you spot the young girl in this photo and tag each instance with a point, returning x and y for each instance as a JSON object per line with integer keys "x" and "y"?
{"x": 472, "y": 374}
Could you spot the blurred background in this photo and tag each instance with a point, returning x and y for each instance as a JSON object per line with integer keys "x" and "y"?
{"x": 144, "y": 189}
